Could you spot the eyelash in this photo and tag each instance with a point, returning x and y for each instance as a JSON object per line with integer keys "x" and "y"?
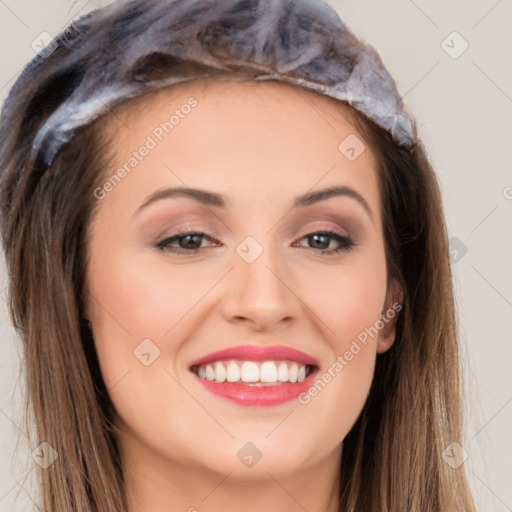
{"x": 346, "y": 242}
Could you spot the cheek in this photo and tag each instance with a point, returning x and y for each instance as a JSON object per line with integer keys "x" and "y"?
{"x": 146, "y": 299}
{"x": 140, "y": 304}
{"x": 127, "y": 306}
{"x": 348, "y": 298}
{"x": 348, "y": 304}
{"x": 140, "y": 298}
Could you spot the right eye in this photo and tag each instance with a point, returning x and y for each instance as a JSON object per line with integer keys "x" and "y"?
{"x": 184, "y": 242}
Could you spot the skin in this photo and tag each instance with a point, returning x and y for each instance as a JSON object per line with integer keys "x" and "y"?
{"x": 260, "y": 145}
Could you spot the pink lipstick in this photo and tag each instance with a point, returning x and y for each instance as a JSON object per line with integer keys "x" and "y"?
{"x": 255, "y": 375}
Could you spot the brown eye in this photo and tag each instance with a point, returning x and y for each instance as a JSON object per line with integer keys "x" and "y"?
{"x": 185, "y": 242}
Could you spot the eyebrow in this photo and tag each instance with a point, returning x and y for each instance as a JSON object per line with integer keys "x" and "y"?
{"x": 201, "y": 196}
{"x": 327, "y": 193}
{"x": 218, "y": 200}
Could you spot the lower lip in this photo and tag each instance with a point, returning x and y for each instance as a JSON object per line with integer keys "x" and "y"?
{"x": 258, "y": 395}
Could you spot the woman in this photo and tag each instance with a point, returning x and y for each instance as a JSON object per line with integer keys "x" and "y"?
{"x": 228, "y": 265}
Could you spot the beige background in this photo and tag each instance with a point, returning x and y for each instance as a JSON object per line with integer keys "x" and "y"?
{"x": 464, "y": 110}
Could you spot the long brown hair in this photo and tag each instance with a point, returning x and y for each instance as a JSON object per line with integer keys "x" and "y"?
{"x": 392, "y": 458}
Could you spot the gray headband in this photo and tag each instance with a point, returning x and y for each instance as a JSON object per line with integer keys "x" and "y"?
{"x": 134, "y": 46}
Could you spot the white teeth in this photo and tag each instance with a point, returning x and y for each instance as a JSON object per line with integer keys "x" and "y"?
{"x": 220, "y": 372}
{"x": 233, "y": 372}
{"x": 293, "y": 372}
{"x": 268, "y": 372}
{"x": 250, "y": 372}
{"x": 282, "y": 372}
{"x": 210, "y": 373}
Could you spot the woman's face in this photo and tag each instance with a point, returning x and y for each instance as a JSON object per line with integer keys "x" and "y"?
{"x": 299, "y": 311}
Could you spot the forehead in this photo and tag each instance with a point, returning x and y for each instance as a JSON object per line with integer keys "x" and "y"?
{"x": 243, "y": 134}
{"x": 235, "y": 90}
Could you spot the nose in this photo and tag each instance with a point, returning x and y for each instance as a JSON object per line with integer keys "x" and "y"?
{"x": 261, "y": 293}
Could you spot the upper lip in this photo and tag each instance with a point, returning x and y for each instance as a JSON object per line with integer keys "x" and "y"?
{"x": 257, "y": 353}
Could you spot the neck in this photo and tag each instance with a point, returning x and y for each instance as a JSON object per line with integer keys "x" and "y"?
{"x": 155, "y": 484}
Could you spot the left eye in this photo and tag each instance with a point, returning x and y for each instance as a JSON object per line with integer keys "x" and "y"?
{"x": 322, "y": 240}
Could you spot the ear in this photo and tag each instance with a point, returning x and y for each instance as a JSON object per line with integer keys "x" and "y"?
{"x": 392, "y": 307}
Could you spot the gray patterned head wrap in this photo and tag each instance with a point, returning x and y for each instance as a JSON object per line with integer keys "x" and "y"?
{"x": 134, "y": 46}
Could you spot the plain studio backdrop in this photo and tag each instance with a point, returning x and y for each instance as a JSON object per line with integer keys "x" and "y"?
{"x": 453, "y": 65}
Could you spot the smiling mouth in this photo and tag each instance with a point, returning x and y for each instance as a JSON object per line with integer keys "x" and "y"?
{"x": 254, "y": 373}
